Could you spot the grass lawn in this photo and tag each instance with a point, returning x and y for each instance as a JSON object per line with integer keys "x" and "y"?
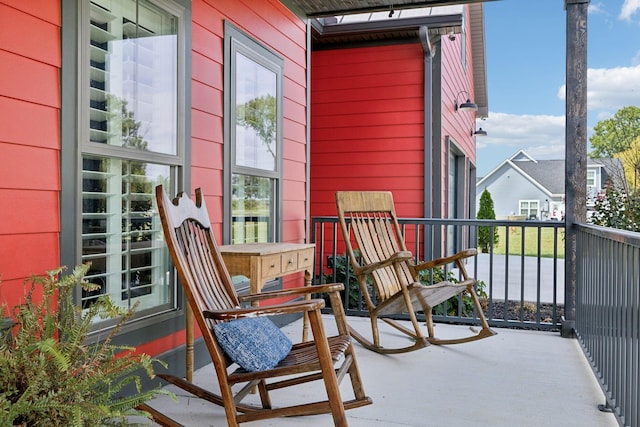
{"x": 530, "y": 241}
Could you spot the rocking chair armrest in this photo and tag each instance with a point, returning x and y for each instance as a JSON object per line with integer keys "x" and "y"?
{"x": 305, "y": 290}
{"x": 446, "y": 260}
{"x": 395, "y": 258}
{"x": 271, "y": 310}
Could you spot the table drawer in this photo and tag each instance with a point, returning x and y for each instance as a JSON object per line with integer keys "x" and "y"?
{"x": 271, "y": 266}
{"x": 289, "y": 262}
{"x": 305, "y": 258}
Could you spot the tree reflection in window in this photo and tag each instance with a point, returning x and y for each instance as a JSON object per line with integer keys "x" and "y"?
{"x": 259, "y": 114}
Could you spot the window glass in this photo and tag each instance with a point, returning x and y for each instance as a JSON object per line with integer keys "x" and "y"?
{"x": 256, "y": 93}
{"x": 252, "y": 209}
{"x": 121, "y": 232}
{"x": 133, "y": 76}
{"x": 131, "y": 143}
{"x": 254, "y": 124}
{"x": 529, "y": 208}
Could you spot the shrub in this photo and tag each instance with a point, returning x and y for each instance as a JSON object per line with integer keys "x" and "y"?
{"x": 50, "y": 376}
{"x": 617, "y": 209}
{"x": 344, "y": 274}
{"x": 485, "y": 237}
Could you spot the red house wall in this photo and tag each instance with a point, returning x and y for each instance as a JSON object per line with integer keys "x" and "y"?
{"x": 457, "y": 76}
{"x": 29, "y": 141}
{"x": 367, "y": 125}
{"x": 270, "y": 23}
{"x": 273, "y": 25}
{"x": 30, "y": 62}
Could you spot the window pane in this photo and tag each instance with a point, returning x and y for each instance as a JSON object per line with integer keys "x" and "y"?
{"x": 256, "y": 125}
{"x": 133, "y": 76}
{"x": 121, "y": 232}
{"x": 251, "y": 209}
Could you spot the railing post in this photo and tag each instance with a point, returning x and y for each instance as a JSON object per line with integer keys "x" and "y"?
{"x": 576, "y": 149}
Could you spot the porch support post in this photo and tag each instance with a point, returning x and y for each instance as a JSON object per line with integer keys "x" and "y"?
{"x": 429, "y": 51}
{"x": 576, "y": 150}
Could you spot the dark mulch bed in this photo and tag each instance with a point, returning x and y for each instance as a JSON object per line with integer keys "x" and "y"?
{"x": 528, "y": 313}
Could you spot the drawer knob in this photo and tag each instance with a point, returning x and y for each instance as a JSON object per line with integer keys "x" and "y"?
{"x": 290, "y": 260}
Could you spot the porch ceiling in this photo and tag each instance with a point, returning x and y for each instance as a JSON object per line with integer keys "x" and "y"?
{"x": 322, "y": 8}
{"x": 329, "y": 31}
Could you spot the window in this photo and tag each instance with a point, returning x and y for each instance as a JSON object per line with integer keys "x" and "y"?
{"x": 130, "y": 141}
{"x": 455, "y": 196}
{"x": 591, "y": 178}
{"x": 529, "y": 208}
{"x": 253, "y": 139}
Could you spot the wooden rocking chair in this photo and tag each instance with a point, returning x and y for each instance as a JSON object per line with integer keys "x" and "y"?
{"x": 369, "y": 218}
{"x": 214, "y": 303}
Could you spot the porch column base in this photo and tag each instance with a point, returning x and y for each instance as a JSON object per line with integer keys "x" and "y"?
{"x": 568, "y": 328}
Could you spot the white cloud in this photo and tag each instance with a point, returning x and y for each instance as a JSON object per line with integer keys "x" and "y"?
{"x": 542, "y": 136}
{"x": 596, "y": 8}
{"x": 611, "y": 88}
{"x": 628, "y": 9}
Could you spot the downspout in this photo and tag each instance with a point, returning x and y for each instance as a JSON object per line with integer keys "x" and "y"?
{"x": 307, "y": 184}
{"x": 429, "y": 52}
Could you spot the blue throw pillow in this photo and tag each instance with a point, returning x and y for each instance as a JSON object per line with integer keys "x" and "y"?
{"x": 254, "y": 343}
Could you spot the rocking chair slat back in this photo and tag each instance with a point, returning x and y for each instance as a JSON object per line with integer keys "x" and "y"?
{"x": 376, "y": 234}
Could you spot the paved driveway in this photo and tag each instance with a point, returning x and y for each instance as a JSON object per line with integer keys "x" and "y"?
{"x": 522, "y": 274}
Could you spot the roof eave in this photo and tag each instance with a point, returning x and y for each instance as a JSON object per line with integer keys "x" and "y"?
{"x": 476, "y": 26}
{"x": 324, "y": 8}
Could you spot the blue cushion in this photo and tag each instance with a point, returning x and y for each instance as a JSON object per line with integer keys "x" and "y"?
{"x": 254, "y": 343}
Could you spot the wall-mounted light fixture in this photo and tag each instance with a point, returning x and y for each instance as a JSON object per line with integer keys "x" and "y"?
{"x": 467, "y": 105}
{"x": 479, "y": 132}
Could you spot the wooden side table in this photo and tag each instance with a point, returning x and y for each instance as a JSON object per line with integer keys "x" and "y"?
{"x": 267, "y": 261}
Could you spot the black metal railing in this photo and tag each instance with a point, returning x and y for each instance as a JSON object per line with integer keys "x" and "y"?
{"x": 520, "y": 278}
{"x": 607, "y": 314}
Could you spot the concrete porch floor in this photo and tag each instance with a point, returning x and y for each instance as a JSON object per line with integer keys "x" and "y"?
{"x": 514, "y": 379}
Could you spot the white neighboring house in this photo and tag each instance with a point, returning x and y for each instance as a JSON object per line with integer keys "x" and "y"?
{"x": 525, "y": 188}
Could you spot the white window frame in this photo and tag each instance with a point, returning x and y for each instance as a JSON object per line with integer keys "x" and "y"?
{"x": 527, "y": 205}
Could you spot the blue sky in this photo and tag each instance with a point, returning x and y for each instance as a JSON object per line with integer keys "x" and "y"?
{"x": 525, "y": 56}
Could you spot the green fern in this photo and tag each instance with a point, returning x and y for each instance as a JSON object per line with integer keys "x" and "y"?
{"x": 50, "y": 376}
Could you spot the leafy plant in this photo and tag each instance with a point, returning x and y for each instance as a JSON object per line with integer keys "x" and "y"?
{"x": 616, "y": 209}
{"x": 485, "y": 237}
{"x": 615, "y": 134}
{"x": 50, "y": 376}
{"x": 343, "y": 273}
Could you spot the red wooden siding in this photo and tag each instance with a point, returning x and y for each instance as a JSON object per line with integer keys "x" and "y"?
{"x": 29, "y": 141}
{"x": 457, "y": 76}
{"x": 367, "y": 118}
{"x": 30, "y": 60}
{"x": 271, "y": 24}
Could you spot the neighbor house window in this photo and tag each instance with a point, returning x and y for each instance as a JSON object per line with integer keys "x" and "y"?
{"x": 591, "y": 178}
{"x": 254, "y": 138}
{"x": 130, "y": 117}
{"x": 529, "y": 208}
